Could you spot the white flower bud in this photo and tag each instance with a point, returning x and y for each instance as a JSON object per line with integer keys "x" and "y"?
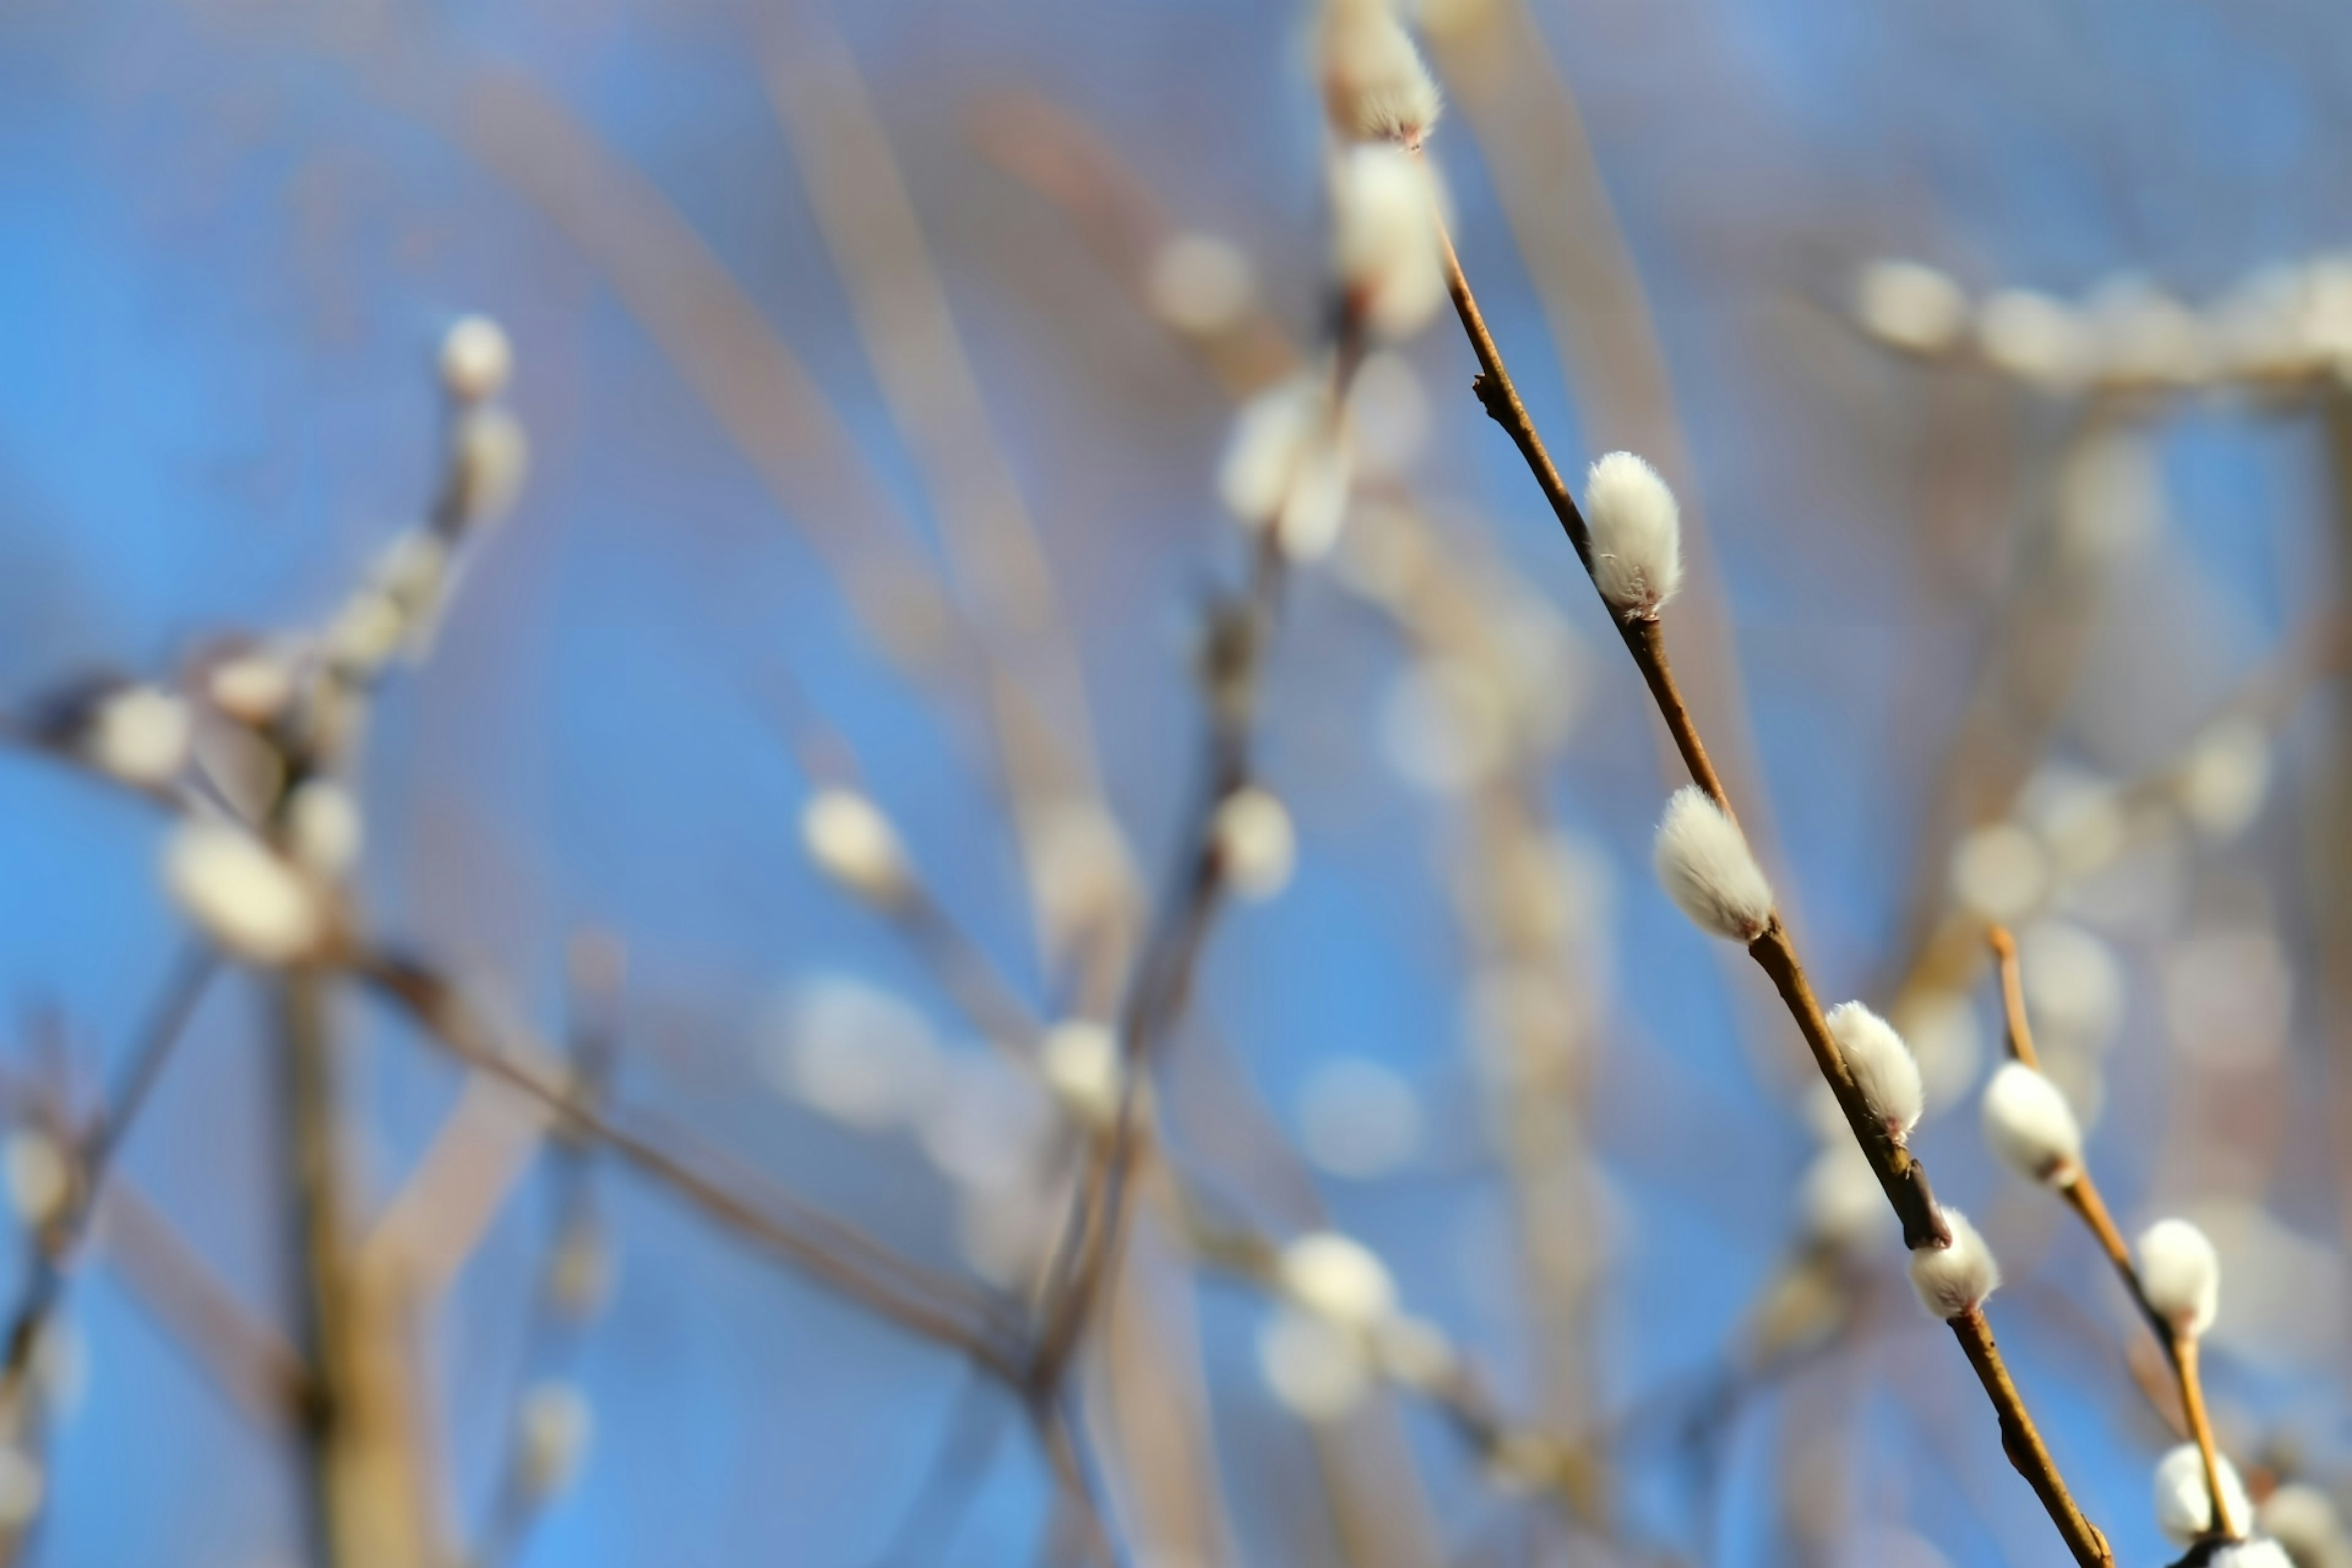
{"x": 2031, "y": 337}
{"x": 1955, "y": 1279}
{"x": 2031, "y": 1127}
{"x": 1200, "y": 284}
{"x": 855, "y": 846}
{"x": 1840, "y": 1197}
{"x": 40, "y": 1175}
{"x": 1339, "y": 1279}
{"x": 1255, "y": 846}
{"x": 475, "y": 360}
{"x": 139, "y": 735}
{"x": 2184, "y": 1507}
{"x": 2304, "y": 1519}
{"x": 1079, "y": 1060}
{"x": 1637, "y": 536}
{"x": 1705, "y": 865}
{"x": 247, "y": 900}
{"x": 2180, "y": 1275}
{"x": 1910, "y": 306}
{"x": 1881, "y": 1066}
{"x": 556, "y": 1424}
{"x": 1384, "y": 238}
{"x": 252, "y": 688}
{"x": 1316, "y": 1370}
{"x": 325, "y": 830}
{"x": 1375, "y": 88}
{"x": 489, "y": 456}
{"x": 23, "y": 1484}
{"x": 1289, "y": 464}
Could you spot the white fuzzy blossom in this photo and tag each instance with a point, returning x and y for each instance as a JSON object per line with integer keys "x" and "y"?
{"x": 325, "y": 830}
{"x": 1636, "y": 535}
{"x": 1384, "y": 247}
{"x": 2031, "y": 1127}
{"x": 1339, "y": 1279}
{"x": 40, "y": 1175}
{"x": 1317, "y": 1369}
{"x": 252, "y": 686}
{"x": 1375, "y": 87}
{"x": 1910, "y": 306}
{"x": 854, "y": 844}
{"x": 1955, "y": 1278}
{"x": 1255, "y": 846}
{"x": 249, "y": 900}
{"x": 2184, "y": 1507}
{"x": 2180, "y": 1275}
{"x": 1079, "y": 1060}
{"x": 489, "y": 456}
{"x": 137, "y": 734}
{"x": 475, "y": 360}
{"x": 2303, "y": 1520}
{"x": 1705, "y": 865}
{"x": 1199, "y": 283}
{"x": 1883, "y": 1068}
{"x": 1289, "y": 464}
{"x": 557, "y": 1423}
{"x": 2031, "y": 337}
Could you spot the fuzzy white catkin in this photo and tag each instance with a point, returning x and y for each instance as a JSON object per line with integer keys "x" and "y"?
{"x": 1375, "y": 87}
{"x": 1255, "y": 846}
{"x": 324, "y": 829}
{"x": 489, "y": 458}
{"x": 1882, "y": 1067}
{"x": 1288, "y": 464}
{"x": 139, "y": 735}
{"x": 252, "y": 688}
{"x": 1910, "y": 306}
{"x": 2180, "y": 1275}
{"x": 249, "y": 901}
{"x": 1705, "y": 865}
{"x": 1079, "y": 1060}
{"x": 1384, "y": 238}
{"x": 1339, "y": 1279}
{"x": 1953, "y": 1279}
{"x": 40, "y": 1175}
{"x": 2304, "y": 1521}
{"x": 854, "y": 844}
{"x": 2253, "y": 1554}
{"x": 2184, "y": 1508}
{"x": 1637, "y": 535}
{"x": 475, "y": 360}
{"x": 2031, "y": 1127}
{"x": 556, "y": 1424}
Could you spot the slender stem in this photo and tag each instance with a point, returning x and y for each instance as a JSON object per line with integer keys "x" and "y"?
{"x": 2023, "y": 1443}
{"x": 2082, "y": 1195}
{"x": 1902, "y": 1178}
{"x": 834, "y": 1254}
{"x": 2192, "y": 1401}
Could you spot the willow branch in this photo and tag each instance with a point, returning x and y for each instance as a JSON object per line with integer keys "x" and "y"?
{"x": 2082, "y": 1195}
{"x": 1899, "y": 1174}
{"x": 835, "y": 1255}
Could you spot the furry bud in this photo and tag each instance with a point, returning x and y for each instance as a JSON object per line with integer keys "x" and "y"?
{"x": 1337, "y": 1278}
{"x": 2184, "y": 1507}
{"x": 2180, "y": 1275}
{"x": 241, "y": 894}
{"x": 1375, "y": 88}
{"x": 1253, "y": 842}
{"x": 139, "y": 735}
{"x": 2031, "y": 1127}
{"x": 475, "y": 360}
{"x": 1384, "y": 238}
{"x": 1079, "y": 1060}
{"x": 1955, "y": 1278}
{"x": 855, "y": 846}
{"x": 1289, "y": 464}
{"x": 1881, "y": 1066}
{"x": 1704, "y": 864}
{"x": 1637, "y": 536}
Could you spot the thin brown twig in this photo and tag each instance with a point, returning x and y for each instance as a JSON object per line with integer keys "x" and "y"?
{"x": 1901, "y": 1176}
{"x": 828, "y": 1250}
{"x": 2082, "y": 1195}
